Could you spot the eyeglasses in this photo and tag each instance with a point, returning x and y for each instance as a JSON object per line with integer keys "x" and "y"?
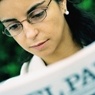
{"x": 33, "y": 17}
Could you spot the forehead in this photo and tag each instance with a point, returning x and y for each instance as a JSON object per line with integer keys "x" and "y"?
{"x": 10, "y": 8}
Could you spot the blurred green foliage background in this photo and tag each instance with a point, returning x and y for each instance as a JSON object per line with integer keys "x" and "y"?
{"x": 9, "y": 54}
{"x": 10, "y": 51}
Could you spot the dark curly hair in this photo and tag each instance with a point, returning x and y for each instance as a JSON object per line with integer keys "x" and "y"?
{"x": 81, "y": 23}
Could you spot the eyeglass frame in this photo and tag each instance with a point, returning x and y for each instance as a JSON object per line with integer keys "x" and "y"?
{"x": 27, "y": 19}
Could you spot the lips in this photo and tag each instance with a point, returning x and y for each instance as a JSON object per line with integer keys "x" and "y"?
{"x": 39, "y": 45}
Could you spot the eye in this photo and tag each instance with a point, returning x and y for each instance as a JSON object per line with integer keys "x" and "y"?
{"x": 14, "y": 27}
{"x": 37, "y": 15}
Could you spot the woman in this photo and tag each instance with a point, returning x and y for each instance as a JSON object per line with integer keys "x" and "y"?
{"x": 51, "y": 30}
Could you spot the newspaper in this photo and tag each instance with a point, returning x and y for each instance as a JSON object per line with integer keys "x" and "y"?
{"x": 73, "y": 76}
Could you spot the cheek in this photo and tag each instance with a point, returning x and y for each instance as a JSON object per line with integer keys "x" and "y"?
{"x": 21, "y": 41}
{"x": 55, "y": 25}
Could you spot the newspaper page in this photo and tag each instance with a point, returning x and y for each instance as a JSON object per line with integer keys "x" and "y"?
{"x": 73, "y": 76}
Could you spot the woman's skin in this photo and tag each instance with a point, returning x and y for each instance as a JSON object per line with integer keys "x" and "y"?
{"x": 50, "y": 39}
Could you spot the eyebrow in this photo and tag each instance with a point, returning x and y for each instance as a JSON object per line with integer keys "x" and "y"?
{"x": 8, "y": 20}
{"x": 31, "y": 9}
{"x": 35, "y": 6}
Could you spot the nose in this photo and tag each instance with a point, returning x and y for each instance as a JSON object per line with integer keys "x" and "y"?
{"x": 29, "y": 30}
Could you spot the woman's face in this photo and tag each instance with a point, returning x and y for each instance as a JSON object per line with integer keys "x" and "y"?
{"x": 43, "y": 38}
